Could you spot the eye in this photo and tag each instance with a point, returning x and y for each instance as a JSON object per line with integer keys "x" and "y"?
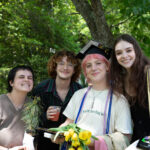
{"x": 88, "y": 65}
{"x": 70, "y": 65}
{"x": 129, "y": 50}
{"x": 98, "y": 63}
{"x": 21, "y": 77}
{"x": 118, "y": 53}
{"x": 30, "y": 78}
{"x": 61, "y": 63}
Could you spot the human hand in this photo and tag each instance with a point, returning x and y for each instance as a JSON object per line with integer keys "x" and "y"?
{"x": 58, "y": 140}
{"x": 53, "y": 138}
{"x": 19, "y": 148}
{"x": 53, "y": 113}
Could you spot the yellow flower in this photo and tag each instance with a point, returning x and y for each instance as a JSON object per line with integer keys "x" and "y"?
{"x": 74, "y": 137}
{"x": 67, "y": 136}
{"x": 87, "y": 142}
{"x": 83, "y": 135}
{"x": 89, "y": 134}
{"x": 71, "y": 131}
{"x": 75, "y": 143}
{"x": 80, "y": 148}
{"x": 66, "y": 133}
{"x": 71, "y": 148}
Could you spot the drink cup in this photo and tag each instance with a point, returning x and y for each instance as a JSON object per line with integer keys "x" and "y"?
{"x": 56, "y": 115}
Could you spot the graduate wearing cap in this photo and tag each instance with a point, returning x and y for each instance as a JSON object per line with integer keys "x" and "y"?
{"x": 97, "y": 108}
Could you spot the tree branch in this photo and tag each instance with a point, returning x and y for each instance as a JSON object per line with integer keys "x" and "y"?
{"x": 122, "y": 22}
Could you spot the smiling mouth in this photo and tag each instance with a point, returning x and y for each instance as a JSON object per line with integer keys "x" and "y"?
{"x": 94, "y": 74}
{"x": 65, "y": 72}
{"x": 27, "y": 85}
{"x": 126, "y": 61}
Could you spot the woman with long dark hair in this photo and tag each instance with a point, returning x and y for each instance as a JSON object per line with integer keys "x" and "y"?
{"x": 129, "y": 76}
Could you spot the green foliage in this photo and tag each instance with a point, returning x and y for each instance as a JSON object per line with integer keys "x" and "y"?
{"x": 83, "y": 80}
{"x": 29, "y": 29}
{"x": 3, "y": 80}
{"x": 28, "y": 115}
{"x": 131, "y": 17}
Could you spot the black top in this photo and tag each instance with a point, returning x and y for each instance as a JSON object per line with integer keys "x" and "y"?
{"x": 46, "y": 90}
{"x": 141, "y": 120}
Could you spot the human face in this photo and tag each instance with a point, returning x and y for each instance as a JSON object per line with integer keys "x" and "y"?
{"x": 96, "y": 70}
{"x": 64, "y": 69}
{"x": 23, "y": 81}
{"x": 125, "y": 54}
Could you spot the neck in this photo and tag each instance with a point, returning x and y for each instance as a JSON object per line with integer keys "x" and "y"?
{"x": 62, "y": 84}
{"x": 17, "y": 98}
{"x": 100, "y": 86}
{"x": 128, "y": 71}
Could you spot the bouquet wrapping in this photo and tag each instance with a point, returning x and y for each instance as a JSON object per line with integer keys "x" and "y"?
{"x": 76, "y": 138}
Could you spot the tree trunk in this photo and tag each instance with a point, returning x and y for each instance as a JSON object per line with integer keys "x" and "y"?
{"x": 94, "y": 16}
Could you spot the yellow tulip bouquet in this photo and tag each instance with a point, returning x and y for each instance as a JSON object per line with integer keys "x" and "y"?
{"x": 77, "y": 138}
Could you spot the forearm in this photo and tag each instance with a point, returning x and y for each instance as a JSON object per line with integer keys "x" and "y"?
{"x": 118, "y": 139}
{"x": 68, "y": 121}
{"x": 3, "y": 148}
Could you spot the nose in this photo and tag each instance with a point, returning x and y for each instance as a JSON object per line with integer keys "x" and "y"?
{"x": 124, "y": 55}
{"x": 93, "y": 67}
{"x": 26, "y": 78}
{"x": 65, "y": 66}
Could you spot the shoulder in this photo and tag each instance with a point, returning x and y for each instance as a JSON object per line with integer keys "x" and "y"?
{"x": 76, "y": 85}
{"x": 42, "y": 86}
{"x": 120, "y": 99}
{"x": 81, "y": 91}
{"x": 44, "y": 83}
{"x": 147, "y": 68}
{"x": 3, "y": 96}
{"x": 3, "y": 99}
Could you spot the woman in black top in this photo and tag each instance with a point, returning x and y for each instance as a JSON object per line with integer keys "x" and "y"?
{"x": 128, "y": 74}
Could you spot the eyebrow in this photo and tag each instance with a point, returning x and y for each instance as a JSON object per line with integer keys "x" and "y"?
{"x": 121, "y": 49}
{"x": 24, "y": 75}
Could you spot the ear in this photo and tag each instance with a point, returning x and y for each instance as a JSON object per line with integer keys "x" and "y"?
{"x": 11, "y": 83}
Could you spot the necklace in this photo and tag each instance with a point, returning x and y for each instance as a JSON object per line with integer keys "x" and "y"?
{"x": 95, "y": 94}
{"x": 109, "y": 95}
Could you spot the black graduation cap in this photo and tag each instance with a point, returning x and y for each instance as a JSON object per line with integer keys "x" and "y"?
{"x": 94, "y": 47}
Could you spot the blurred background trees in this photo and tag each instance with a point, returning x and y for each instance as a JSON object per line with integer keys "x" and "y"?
{"x": 32, "y": 30}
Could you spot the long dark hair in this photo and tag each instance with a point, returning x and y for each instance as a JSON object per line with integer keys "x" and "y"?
{"x": 137, "y": 78}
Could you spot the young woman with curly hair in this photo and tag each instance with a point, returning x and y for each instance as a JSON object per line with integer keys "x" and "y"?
{"x": 128, "y": 74}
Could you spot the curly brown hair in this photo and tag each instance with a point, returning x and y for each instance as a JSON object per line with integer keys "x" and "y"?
{"x": 71, "y": 57}
{"x": 137, "y": 78}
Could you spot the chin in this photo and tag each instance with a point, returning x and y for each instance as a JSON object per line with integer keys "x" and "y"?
{"x": 26, "y": 91}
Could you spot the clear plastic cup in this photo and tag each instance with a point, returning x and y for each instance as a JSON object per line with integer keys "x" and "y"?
{"x": 56, "y": 115}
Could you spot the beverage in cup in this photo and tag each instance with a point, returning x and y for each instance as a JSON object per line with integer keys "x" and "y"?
{"x": 56, "y": 114}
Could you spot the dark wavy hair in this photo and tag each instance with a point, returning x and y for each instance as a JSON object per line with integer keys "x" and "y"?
{"x": 137, "y": 78}
{"x": 71, "y": 57}
{"x": 12, "y": 74}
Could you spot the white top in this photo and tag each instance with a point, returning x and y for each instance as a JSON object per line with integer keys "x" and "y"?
{"x": 92, "y": 117}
